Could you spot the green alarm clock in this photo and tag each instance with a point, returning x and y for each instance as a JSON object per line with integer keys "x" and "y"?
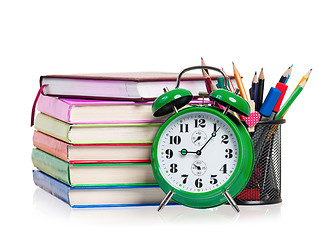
{"x": 201, "y": 156}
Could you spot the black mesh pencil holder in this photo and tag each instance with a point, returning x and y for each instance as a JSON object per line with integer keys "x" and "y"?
{"x": 264, "y": 186}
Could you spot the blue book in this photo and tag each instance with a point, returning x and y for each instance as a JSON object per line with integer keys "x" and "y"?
{"x": 111, "y": 196}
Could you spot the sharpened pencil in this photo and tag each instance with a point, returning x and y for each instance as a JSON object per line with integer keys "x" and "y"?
{"x": 286, "y": 75}
{"x": 305, "y": 77}
{"x": 260, "y": 91}
{"x": 293, "y": 96}
{"x": 205, "y": 73}
{"x": 255, "y": 83}
{"x": 289, "y": 74}
{"x": 208, "y": 81}
{"x": 203, "y": 64}
{"x": 239, "y": 83}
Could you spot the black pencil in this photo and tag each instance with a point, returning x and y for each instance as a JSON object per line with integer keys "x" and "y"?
{"x": 260, "y": 91}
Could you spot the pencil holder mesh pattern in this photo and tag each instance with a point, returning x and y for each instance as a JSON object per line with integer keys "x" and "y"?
{"x": 264, "y": 186}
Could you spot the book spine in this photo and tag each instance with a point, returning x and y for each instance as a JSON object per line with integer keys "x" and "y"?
{"x": 51, "y": 145}
{"x": 121, "y": 205}
{"x": 52, "y": 127}
{"x": 52, "y": 186}
{"x": 51, "y": 165}
{"x": 54, "y": 107}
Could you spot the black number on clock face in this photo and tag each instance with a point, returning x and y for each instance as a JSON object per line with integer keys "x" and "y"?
{"x": 173, "y": 168}
{"x": 182, "y": 167}
{"x": 169, "y": 153}
{"x": 223, "y": 168}
{"x": 184, "y": 127}
{"x": 175, "y": 140}
{"x": 185, "y": 177}
{"x": 198, "y": 183}
{"x": 213, "y": 179}
{"x": 199, "y": 123}
{"x": 229, "y": 153}
{"x": 224, "y": 139}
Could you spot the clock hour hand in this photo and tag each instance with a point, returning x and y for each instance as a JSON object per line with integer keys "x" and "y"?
{"x": 185, "y": 152}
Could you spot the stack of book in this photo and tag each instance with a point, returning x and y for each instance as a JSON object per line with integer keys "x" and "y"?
{"x": 93, "y": 144}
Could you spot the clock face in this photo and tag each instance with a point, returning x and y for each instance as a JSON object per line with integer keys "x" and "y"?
{"x": 197, "y": 152}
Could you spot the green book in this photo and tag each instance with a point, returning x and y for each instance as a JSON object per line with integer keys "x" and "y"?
{"x": 99, "y": 133}
{"x": 85, "y": 175}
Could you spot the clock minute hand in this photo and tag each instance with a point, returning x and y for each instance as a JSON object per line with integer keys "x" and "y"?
{"x": 212, "y": 135}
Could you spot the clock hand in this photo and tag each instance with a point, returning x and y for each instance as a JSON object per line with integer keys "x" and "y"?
{"x": 198, "y": 152}
{"x": 198, "y": 167}
{"x": 185, "y": 152}
{"x": 198, "y": 138}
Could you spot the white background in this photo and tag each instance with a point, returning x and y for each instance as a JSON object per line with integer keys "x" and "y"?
{"x": 40, "y": 37}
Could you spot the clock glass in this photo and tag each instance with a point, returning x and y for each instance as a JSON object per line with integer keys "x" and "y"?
{"x": 197, "y": 152}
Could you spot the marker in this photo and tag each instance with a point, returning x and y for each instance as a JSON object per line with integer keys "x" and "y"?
{"x": 282, "y": 87}
{"x": 270, "y": 102}
{"x": 221, "y": 83}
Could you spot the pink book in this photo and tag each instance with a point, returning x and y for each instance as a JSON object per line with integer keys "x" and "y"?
{"x": 84, "y": 111}
{"x": 93, "y": 153}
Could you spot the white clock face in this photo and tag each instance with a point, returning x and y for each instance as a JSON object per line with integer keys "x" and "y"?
{"x": 197, "y": 152}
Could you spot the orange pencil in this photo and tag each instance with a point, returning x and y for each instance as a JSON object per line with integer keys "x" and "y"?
{"x": 239, "y": 83}
{"x": 305, "y": 77}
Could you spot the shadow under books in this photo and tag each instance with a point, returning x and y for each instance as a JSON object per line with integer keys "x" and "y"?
{"x": 48, "y": 206}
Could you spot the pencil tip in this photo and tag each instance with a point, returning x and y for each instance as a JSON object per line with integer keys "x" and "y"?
{"x": 261, "y": 69}
{"x": 311, "y": 70}
{"x": 291, "y": 66}
{"x": 255, "y": 72}
{"x": 233, "y": 63}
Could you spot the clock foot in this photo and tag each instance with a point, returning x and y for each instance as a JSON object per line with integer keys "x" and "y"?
{"x": 165, "y": 200}
{"x": 231, "y": 201}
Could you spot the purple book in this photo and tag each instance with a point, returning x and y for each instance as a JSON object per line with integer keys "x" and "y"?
{"x": 83, "y": 111}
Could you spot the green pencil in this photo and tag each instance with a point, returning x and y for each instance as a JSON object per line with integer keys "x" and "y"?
{"x": 291, "y": 99}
